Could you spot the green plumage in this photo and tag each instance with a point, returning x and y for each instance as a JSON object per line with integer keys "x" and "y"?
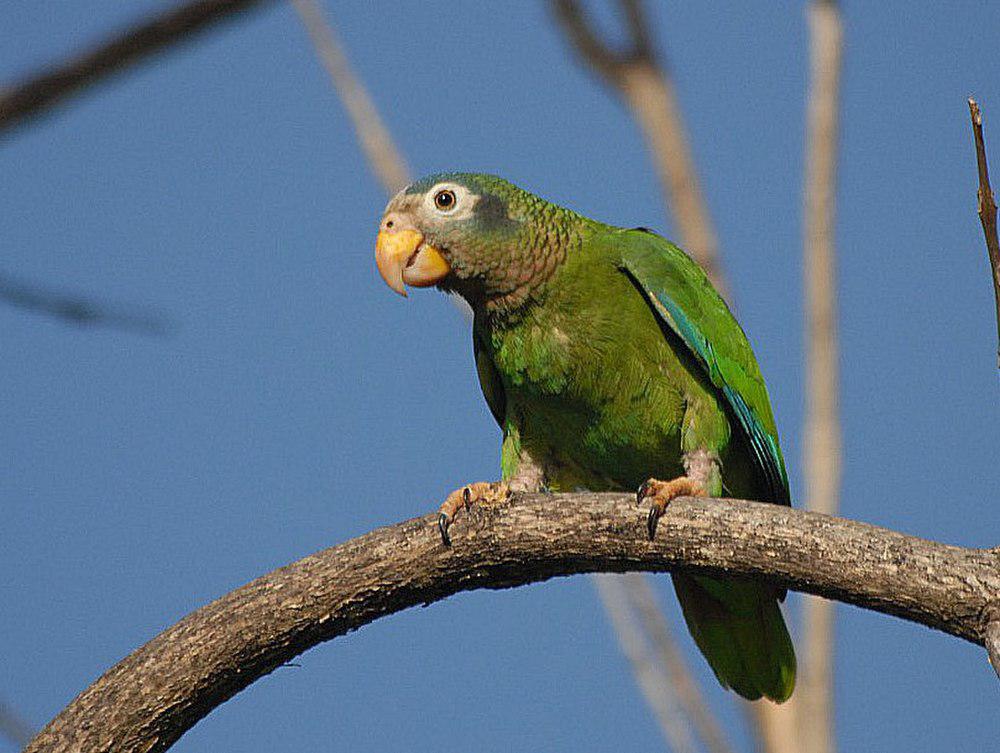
{"x": 606, "y": 356}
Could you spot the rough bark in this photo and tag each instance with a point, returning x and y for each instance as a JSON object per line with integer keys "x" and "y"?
{"x": 147, "y": 701}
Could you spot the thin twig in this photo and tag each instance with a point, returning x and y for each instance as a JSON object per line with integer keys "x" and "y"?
{"x": 648, "y": 672}
{"x": 148, "y": 700}
{"x": 385, "y": 159}
{"x": 987, "y": 207}
{"x": 686, "y": 688}
{"x": 648, "y": 91}
{"x": 39, "y": 93}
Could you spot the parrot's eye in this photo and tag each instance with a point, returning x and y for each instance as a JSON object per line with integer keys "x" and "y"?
{"x": 445, "y": 200}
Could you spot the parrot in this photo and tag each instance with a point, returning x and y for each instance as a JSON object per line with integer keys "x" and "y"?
{"x": 610, "y": 363}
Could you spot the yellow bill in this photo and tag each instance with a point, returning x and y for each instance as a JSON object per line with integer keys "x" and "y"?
{"x": 404, "y": 259}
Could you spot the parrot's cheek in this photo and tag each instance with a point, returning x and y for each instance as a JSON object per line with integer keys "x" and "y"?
{"x": 404, "y": 259}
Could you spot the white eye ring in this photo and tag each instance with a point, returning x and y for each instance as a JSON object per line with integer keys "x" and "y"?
{"x": 447, "y": 199}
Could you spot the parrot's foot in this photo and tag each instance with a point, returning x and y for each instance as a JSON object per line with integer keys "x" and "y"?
{"x": 660, "y": 493}
{"x": 479, "y": 493}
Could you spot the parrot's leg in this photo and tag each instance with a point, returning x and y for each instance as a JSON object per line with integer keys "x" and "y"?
{"x": 529, "y": 476}
{"x": 659, "y": 494}
{"x": 701, "y": 475}
{"x": 478, "y": 493}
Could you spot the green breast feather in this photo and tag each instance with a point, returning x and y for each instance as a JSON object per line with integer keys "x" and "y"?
{"x": 684, "y": 300}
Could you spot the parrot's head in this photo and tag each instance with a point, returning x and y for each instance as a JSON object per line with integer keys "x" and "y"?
{"x": 473, "y": 234}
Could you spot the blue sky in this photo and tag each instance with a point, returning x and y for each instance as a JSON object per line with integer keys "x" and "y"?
{"x": 297, "y": 402}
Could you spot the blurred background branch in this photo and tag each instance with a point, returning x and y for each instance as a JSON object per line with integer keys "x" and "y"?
{"x": 650, "y": 674}
{"x": 822, "y": 456}
{"x": 987, "y": 208}
{"x": 37, "y": 94}
{"x": 648, "y": 91}
{"x": 646, "y": 87}
{"x": 805, "y": 724}
{"x": 23, "y": 101}
{"x": 13, "y": 727}
{"x": 79, "y": 310}
{"x": 671, "y": 660}
{"x": 374, "y": 138}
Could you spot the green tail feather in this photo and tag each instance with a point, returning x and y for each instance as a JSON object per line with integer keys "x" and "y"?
{"x": 738, "y": 626}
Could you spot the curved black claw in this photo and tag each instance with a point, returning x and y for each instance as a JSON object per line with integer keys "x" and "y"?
{"x": 641, "y": 492}
{"x": 443, "y": 522}
{"x": 651, "y": 520}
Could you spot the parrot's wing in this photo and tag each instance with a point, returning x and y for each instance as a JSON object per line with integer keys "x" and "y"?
{"x": 489, "y": 381}
{"x": 680, "y": 294}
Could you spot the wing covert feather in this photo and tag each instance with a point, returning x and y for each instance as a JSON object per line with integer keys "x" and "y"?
{"x": 680, "y": 294}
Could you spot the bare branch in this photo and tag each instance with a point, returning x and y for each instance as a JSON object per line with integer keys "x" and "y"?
{"x": 685, "y": 687}
{"x": 822, "y": 456}
{"x": 776, "y": 726}
{"x": 373, "y": 136}
{"x": 649, "y": 94}
{"x": 987, "y": 210}
{"x": 77, "y": 310}
{"x": 39, "y": 93}
{"x": 31, "y": 98}
{"x": 148, "y": 700}
{"x": 673, "y": 724}
{"x": 638, "y": 29}
{"x": 805, "y": 723}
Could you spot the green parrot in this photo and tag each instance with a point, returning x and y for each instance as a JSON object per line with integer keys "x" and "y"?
{"x": 610, "y": 363}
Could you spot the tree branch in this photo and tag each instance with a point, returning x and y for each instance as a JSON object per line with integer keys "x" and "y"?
{"x": 987, "y": 210}
{"x": 77, "y": 310}
{"x": 373, "y": 136}
{"x": 39, "y": 93}
{"x": 805, "y": 723}
{"x": 384, "y": 156}
{"x": 648, "y": 91}
{"x": 148, "y": 700}
{"x": 649, "y": 674}
{"x": 822, "y": 451}
{"x": 13, "y": 727}
{"x": 993, "y": 644}
{"x": 684, "y": 685}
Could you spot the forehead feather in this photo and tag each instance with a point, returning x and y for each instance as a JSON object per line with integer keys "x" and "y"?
{"x": 476, "y": 183}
